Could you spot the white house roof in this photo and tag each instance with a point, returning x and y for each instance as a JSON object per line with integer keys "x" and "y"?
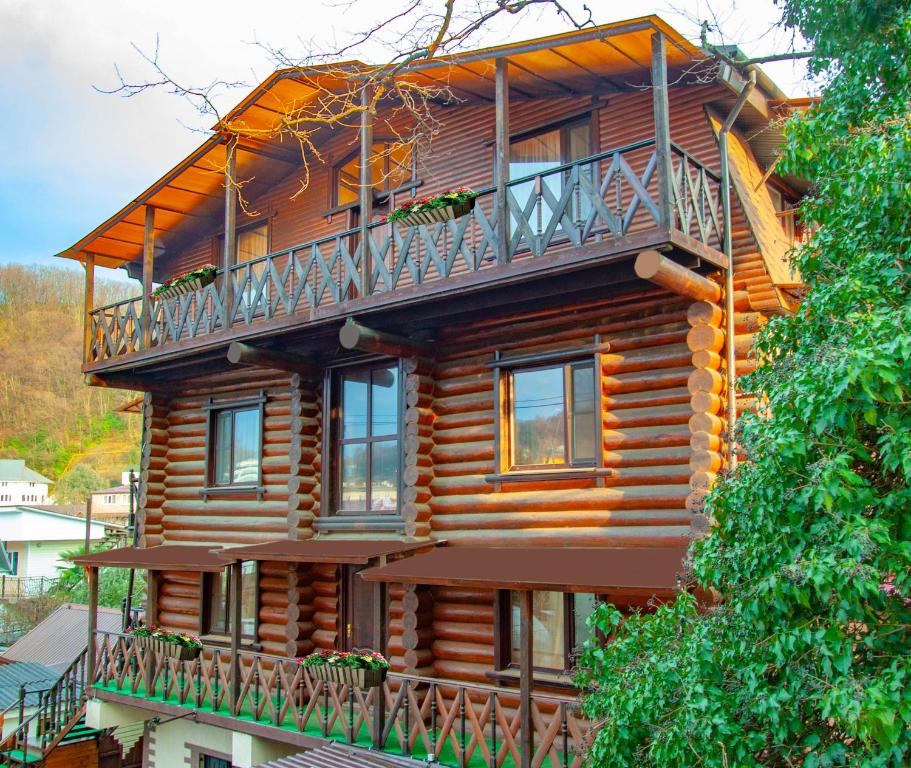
{"x": 115, "y": 489}
{"x": 14, "y": 470}
{"x": 23, "y": 523}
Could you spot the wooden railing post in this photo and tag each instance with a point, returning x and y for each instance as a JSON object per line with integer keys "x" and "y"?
{"x": 502, "y": 158}
{"x": 234, "y": 612}
{"x": 89, "y": 331}
{"x": 661, "y": 110}
{"x": 92, "y": 575}
{"x": 366, "y": 184}
{"x": 526, "y": 670}
{"x": 148, "y": 269}
{"x": 230, "y": 249}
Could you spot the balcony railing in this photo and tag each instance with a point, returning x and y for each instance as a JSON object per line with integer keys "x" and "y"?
{"x": 596, "y": 200}
{"x": 444, "y": 721}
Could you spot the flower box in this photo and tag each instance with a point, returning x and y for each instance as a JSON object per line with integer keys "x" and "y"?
{"x": 173, "y": 645}
{"x": 435, "y": 215}
{"x": 361, "y": 669}
{"x": 359, "y": 678}
{"x": 174, "y": 651}
{"x": 446, "y": 206}
{"x": 186, "y": 283}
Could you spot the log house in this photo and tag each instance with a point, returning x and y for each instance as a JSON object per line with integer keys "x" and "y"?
{"x": 446, "y": 446}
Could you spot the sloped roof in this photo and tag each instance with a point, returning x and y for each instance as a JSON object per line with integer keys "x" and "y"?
{"x": 60, "y": 638}
{"x": 114, "y": 489}
{"x": 35, "y": 677}
{"x": 14, "y": 470}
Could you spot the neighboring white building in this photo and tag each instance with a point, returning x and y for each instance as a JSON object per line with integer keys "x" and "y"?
{"x": 113, "y": 503}
{"x": 21, "y": 485}
{"x": 36, "y": 538}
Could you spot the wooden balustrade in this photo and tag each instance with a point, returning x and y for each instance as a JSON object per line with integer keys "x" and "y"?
{"x": 445, "y": 721}
{"x": 595, "y": 200}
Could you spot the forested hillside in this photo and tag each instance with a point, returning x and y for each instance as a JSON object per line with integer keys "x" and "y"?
{"x": 62, "y": 428}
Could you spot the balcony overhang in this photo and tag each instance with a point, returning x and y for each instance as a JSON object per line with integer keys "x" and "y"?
{"x": 628, "y": 571}
{"x": 340, "y": 551}
{"x": 167, "y": 557}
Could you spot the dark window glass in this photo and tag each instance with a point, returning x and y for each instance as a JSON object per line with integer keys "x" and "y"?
{"x": 368, "y": 441}
{"x": 208, "y": 761}
{"x": 237, "y": 446}
{"x": 218, "y": 598}
{"x": 553, "y": 416}
{"x": 558, "y": 628}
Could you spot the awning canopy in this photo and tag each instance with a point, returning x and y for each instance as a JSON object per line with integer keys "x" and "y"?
{"x": 167, "y": 557}
{"x": 353, "y": 551}
{"x": 634, "y": 571}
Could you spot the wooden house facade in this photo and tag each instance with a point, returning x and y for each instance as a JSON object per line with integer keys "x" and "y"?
{"x": 445, "y": 442}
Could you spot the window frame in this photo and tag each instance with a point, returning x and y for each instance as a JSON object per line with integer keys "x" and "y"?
{"x": 507, "y": 413}
{"x": 336, "y": 418}
{"x": 207, "y": 605}
{"x": 212, "y": 409}
{"x": 563, "y": 126}
{"x": 335, "y": 206}
{"x": 503, "y": 646}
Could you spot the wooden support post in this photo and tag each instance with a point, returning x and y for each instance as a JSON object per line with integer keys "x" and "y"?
{"x": 246, "y": 354}
{"x": 148, "y": 268}
{"x": 366, "y": 184}
{"x": 92, "y": 577}
{"x": 502, "y": 158}
{"x": 234, "y": 610}
{"x": 353, "y": 335}
{"x": 379, "y": 645}
{"x": 664, "y": 169}
{"x": 88, "y": 333}
{"x": 651, "y": 265}
{"x": 230, "y": 250}
{"x": 526, "y": 680}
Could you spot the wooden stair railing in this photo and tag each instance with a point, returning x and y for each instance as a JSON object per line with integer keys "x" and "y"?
{"x": 59, "y": 709}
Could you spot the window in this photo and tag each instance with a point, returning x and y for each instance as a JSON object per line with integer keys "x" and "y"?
{"x": 558, "y": 628}
{"x": 552, "y": 416}
{"x": 217, "y": 609}
{"x": 235, "y": 445}
{"x": 366, "y": 440}
{"x": 543, "y": 151}
{"x": 213, "y": 761}
{"x": 13, "y": 563}
{"x": 390, "y": 168}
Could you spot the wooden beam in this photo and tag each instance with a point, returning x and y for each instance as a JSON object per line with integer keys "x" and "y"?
{"x": 526, "y": 677}
{"x": 89, "y": 302}
{"x": 246, "y": 354}
{"x": 379, "y": 645}
{"x": 353, "y": 335}
{"x": 664, "y": 170}
{"x": 651, "y": 265}
{"x": 148, "y": 269}
{"x": 237, "y": 576}
{"x": 366, "y": 192}
{"x": 502, "y": 157}
{"x": 230, "y": 249}
{"x": 118, "y": 382}
{"x": 91, "y": 647}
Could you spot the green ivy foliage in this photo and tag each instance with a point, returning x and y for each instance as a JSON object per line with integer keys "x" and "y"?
{"x": 807, "y": 661}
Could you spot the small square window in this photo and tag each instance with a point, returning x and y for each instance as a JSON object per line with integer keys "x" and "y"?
{"x": 552, "y": 416}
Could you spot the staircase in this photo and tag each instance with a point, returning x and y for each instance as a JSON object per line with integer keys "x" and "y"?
{"x": 59, "y": 719}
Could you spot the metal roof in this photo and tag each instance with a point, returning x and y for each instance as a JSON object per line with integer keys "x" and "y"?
{"x": 35, "y": 677}
{"x": 189, "y": 198}
{"x": 342, "y": 756}
{"x": 634, "y": 571}
{"x": 163, "y": 558}
{"x": 15, "y": 471}
{"x": 61, "y": 637}
{"x": 355, "y": 551}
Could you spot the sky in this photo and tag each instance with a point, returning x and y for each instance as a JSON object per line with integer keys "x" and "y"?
{"x": 71, "y": 156}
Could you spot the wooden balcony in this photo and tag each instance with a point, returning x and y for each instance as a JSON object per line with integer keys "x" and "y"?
{"x": 598, "y": 210}
{"x": 442, "y": 721}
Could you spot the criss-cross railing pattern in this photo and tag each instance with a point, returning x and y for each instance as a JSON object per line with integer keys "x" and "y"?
{"x": 588, "y": 202}
{"x": 444, "y": 721}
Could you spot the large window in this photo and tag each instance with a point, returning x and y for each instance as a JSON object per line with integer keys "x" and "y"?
{"x": 218, "y": 602}
{"x": 552, "y": 416}
{"x": 235, "y": 444}
{"x": 543, "y": 151}
{"x": 558, "y": 628}
{"x": 366, "y": 440}
{"x": 390, "y": 168}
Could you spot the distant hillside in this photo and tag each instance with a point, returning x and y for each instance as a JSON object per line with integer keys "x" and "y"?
{"x": 62, "y": 428}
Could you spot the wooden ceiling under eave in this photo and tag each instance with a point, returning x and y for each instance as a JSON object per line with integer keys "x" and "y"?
{"x": 189, "y": 199}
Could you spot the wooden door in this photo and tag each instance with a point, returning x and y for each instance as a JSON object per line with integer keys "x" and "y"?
{"x": 360, "y": 622}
